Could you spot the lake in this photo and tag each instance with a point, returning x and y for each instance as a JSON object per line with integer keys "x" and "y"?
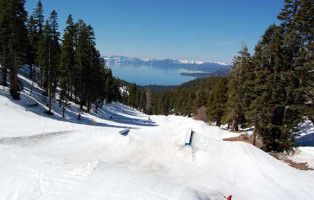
{"x": 151, "y": 75}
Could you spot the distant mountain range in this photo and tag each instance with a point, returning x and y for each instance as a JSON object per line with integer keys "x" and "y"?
{"x": 196, "y": 66}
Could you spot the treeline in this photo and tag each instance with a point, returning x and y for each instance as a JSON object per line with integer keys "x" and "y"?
{"x": 185, "y": 99}
{"x": 272, "y": 89}
{"x": 72, "y": 63}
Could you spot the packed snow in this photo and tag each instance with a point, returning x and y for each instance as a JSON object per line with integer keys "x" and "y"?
{"x": 48, "y": 157}
{"x": 304, "y": 155}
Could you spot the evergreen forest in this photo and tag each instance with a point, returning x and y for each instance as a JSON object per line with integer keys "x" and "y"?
{"x": 271, "y": 89}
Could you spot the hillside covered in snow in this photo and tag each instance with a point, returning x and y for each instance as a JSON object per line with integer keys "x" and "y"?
{"x": 50, "y": 157}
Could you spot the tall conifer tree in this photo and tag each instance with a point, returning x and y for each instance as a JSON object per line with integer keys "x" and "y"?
{"x": 16, "y": 42}
{"x": 49, "y": 56}
{"x": 38, "y": 17}
{"x": 216, "y": 104}
{"x": 67, "y": 62}
{"x": 4, "y": 35}
{"x": 235, "y": 104}
{"x": 32, "y": 44}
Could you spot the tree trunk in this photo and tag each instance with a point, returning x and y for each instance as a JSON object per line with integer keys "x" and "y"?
{"x": 254, "y": 133}
{"x": 63, "y": 110}
{"x": 14, "y": 85}
{"x": 81, "y": 103}
{"x": 88, "y": 105}
{"x": 50, "y": 100}
{"x": 4, "y": 68}
{"x": 234, "y": 125}
{"x": 70, "y": 89}
{"x": 40, "y": 76}
{"x": 49, "y": 82}
{"x": 30, "y": 93}
{"x": 4, "y": 74}
{"x": 218, "y": 122}
{"x": 30, "y": 70}
{"x": 81, "y": 85}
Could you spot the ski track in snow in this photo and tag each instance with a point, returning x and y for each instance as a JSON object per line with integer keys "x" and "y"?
{"x": 31, "y": 140}
{"x": 45, "y": 157}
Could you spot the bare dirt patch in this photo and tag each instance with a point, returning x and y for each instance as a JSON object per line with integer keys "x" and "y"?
{"x": 300, "y": 166}
{"x": 245, "y": 138}
{"x": 279, "y": 156}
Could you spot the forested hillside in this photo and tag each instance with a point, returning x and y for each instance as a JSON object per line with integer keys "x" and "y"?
{"x": 70, "y": 62}
{"x": 272, "y": 90}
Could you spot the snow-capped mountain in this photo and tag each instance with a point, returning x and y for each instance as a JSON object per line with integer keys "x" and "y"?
{"x": 197, "y": 62}
{"x": 166, "y": 62}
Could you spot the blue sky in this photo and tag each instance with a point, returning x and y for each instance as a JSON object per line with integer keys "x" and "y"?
{"x": 182, "y": 29}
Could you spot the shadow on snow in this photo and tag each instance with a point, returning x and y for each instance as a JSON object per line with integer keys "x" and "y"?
{"x": 36, "y": 104}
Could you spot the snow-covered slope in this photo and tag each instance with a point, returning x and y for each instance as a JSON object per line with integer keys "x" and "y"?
{"x": 53, "y": 158}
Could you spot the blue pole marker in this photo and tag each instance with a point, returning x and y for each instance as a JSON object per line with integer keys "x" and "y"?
{"x": 188, "y": 138}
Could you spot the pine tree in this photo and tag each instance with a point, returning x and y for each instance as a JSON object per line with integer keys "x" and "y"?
{"x": 32, "y": 44}
{"x": 274, "y": 102}
{"x": 101, "y": 84}
{"x": 67, "y": 59}
{"x": 16, "y": 42}
{"x": 49, "y": 56}
{"x": 38, "y": 18}
{"x": 82, "y": 61}
{"x": 142, "y": 101}
{"x": 304, "y": 23}
{"x": 87, "y": 64}
{"x": 4, "y": 35}
{"x": 200, "y": 102}
{"x": 235, "y": 112}
{"x": 55, "y": 49}
{"x": 148, "y": 102}
{"x": 163, "y": 106}
{"x": 83, "y": 69}
{"x": 116, "y": 89}
{"x": 258, "y": 85}
{"x": 217, "y": 101}
{"x": 110, "y": 91}
{"x": 251, "y": 89}
{"x": 43, "y": 56}
{"x": 200, "y": 98}
{"x": 188, "y": 103}
{"x": 133, "y": 91}
{"x": 94, "y": 79}
{"x": 93, "y": 65}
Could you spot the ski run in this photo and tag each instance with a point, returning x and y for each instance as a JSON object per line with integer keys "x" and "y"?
{"x": 50, "y": 157}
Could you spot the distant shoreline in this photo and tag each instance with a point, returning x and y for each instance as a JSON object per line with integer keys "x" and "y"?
{"x": 197, "y": 75}
{"x": 219, "y": 73}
